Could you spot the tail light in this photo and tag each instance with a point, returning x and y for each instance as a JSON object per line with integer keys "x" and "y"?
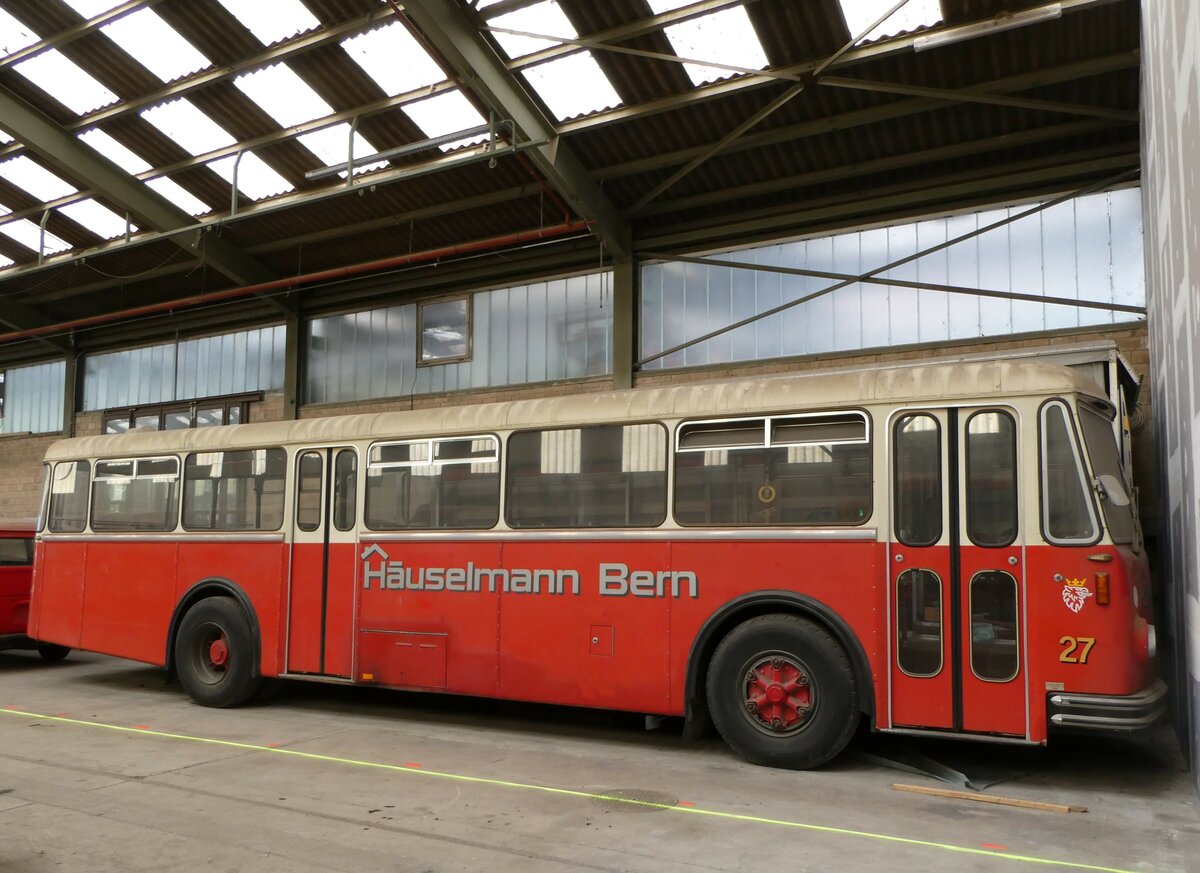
{"x": 1102, "y": 592}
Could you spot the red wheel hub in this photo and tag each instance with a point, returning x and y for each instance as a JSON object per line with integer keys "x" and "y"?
{"x": 218, "y": 652}
{"x": 778, "y": 694}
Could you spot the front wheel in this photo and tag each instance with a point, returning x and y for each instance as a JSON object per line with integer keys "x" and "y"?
{"x": 215, "y": 654}
{"x": 51, "y": 653}
{"x": 781, "y": 691}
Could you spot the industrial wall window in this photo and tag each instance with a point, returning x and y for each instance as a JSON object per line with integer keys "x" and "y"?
{"x": 444, "y": 329}
{"x": 180, "y": 416}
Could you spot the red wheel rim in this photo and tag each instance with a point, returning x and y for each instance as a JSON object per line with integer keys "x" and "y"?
{"x": 777, "y": 693}
{"x": 218, "y": 652}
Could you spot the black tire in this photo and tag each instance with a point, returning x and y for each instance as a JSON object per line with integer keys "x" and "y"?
{"x": 215, "y": 655}
{"x": 51, "y": 653}
{"x": 805, "y": 682}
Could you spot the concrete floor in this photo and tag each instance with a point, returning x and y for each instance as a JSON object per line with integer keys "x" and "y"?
{"x": 86, "y": 797}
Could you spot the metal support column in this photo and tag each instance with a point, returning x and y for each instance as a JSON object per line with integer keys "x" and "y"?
{"x": 291, "y": 365}
{"x": 70, "y": 393}
{"x": 624, "y": 321}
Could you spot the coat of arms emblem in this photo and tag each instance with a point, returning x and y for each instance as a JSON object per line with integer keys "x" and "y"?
{"x": 1075, "y": 594}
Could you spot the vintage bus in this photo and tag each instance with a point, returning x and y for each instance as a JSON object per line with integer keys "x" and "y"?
{"x": 937, "y": 549}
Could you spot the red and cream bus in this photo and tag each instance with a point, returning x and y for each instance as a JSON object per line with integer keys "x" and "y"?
{"x": 938, "y": 549}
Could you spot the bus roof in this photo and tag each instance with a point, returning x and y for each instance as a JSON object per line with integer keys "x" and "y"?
{"x": 892, "y": 384}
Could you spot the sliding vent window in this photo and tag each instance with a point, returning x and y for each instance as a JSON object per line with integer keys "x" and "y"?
{"x": 240, "y": 491}
{"x": 918, "y": 472}
{"x": 603, "y": 476}
{"x": 136, "y": 495}
{"x": 991, "y": 486}
{"x": 434, "y": 484}
{"x": 1068, "y": 516}
{"x": 791, "y": 470}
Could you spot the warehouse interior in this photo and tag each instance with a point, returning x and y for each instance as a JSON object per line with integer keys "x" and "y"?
{"x": 215, "y": 212}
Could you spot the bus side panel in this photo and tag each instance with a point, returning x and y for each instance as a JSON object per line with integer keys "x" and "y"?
{"x": 58, "y": 593}
{"x": 607, "y": 645}
{"x": 440, "y": 636}
{"x": 257, "y": 569}
{"x": 841, "y": 575}
{"x": 1094, "y": 648}
{"x": 14, "y": 599}
{"x": 128, "y": 598}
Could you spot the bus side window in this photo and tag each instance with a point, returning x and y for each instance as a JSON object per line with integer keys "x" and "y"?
{"x": 69, "y": 497}
{"x": 597, "y": 476}
{"x": 308, "y": 491}
{"x": 918, "y": 472}
{"x": 16, "y": 551}
{"x": 1068, "y": 515}
{"x": 240, "y": 490}
{"x": 433, "y": 484}
{"x": 345, "y": 489}
{"x": 136, "y": 495}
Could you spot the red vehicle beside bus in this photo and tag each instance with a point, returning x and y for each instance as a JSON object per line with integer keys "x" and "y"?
{"x": 16, "y": 577}
{"x": 937, "y": 549}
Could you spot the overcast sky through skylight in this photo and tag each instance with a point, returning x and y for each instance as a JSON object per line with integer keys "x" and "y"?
{"x": 726, "y": 37}
{"x": 912, "y": 15}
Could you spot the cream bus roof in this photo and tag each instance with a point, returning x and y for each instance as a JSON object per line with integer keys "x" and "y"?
{"x": 760, "y": 394}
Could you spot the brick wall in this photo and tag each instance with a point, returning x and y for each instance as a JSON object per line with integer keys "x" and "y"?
{"x": 21, "y": 473}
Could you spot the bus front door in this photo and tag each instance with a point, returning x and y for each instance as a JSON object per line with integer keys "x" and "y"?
{"x": 323, "y": 561}
{"x": 956, "y": 578}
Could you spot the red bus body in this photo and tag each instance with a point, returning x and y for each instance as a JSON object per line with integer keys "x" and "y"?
{"x": 16, "y": 578}
{"x": 629, "y": 619}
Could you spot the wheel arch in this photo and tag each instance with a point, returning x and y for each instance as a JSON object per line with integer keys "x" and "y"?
{"x": 214, "y": 586}
{"x": 748, "y": 606}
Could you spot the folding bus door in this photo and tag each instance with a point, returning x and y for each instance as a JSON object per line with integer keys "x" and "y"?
{"x": 956, "y": 577}
{"x": 321, "y": 596}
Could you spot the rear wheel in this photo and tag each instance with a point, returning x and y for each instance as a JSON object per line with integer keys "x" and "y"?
{"x": 215, "y": 654}
{"x": 781, "y": 691}
{"x": 51, "y": 653}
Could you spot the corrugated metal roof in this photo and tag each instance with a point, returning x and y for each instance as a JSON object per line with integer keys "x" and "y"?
{"x": 824, "y": 156}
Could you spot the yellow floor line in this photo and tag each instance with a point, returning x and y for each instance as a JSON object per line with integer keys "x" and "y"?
{"x": 569, "y": 792}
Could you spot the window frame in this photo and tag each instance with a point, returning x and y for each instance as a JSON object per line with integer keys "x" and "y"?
{"x": 767, "y": 444}
{"x": 87, "y": 500}
{"x": 1014, "y": 441}
{"x": 667, "y": 472}
{"x": 941, "y": 624}
{"x": 468, "y": 299}
{"x": 1016, "y": 587}
{"x": 943, "y": 503}
{"x": 136, "y": 462}
{"x": 1081, "y": 467}
{"x": 283, "y": 514}
{"x": 228, "y": 402}
{"x": 431, "y": 443}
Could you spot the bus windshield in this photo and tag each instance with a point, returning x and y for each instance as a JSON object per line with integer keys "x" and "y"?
{"x": 1106, "y": 467}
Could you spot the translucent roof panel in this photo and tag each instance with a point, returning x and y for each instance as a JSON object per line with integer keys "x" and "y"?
{"x": 572, "y": 86}
{"x": 545, "y": 18}
{"x": 283, "y": 95}
{"x": 5, "y": 262}
{"x": 5, "y": 138}
{"x": 726, "y": 37}
{"x": 272, "y": 21}
{"x": 14, "y": 35}
{"x": 34, "y": 179}
{"x": 28, "y": 234}
{"x": 912, "y": 15}
{"x": 96, "y": 217}
{"x": 155, "y": 45}
{"x": 377, "y": 51}
{"x": 188, "y": 126}
{"x": 178, "y": 195}
{"x": 123, "y": 157}
{"x": 446, "y": 113}
{"x": 65, "y": 81}
{"x": 254, "y": 178}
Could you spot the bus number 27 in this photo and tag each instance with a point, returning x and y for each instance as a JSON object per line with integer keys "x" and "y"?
{"x": 1076, "y": 649}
